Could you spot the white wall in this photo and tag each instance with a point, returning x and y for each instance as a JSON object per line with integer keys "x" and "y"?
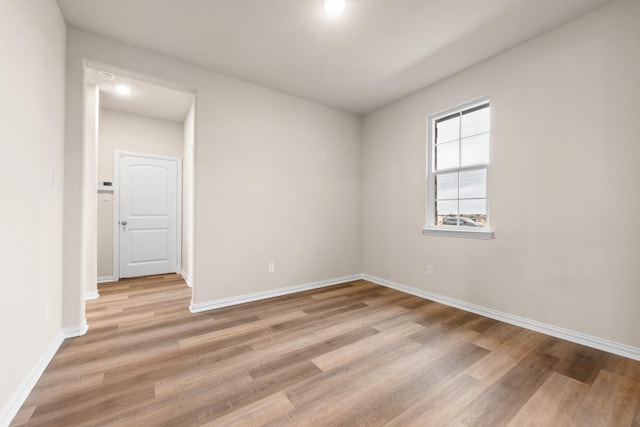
{"x": 277, "y": 177}
{"x": 188, "y": 223}
{"x": 127, "y": 132}
{"x": 92, "y": 118}
{"x": 32, "y": 41}
{"x": 563, "y": 182}
{"x": 78, "y": 240}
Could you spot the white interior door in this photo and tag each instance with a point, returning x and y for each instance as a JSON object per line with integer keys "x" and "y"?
{"x": 149, "y": 214}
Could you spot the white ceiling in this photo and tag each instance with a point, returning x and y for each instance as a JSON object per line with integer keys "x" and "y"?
{"x": 375, "y": 53}
{"x": 146, "y": 99}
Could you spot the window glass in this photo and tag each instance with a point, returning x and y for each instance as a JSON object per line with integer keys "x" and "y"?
{"x": 459, "y": 167}
{"x": 475, "y": 150}
{"x": 473, "y": 184}
{"x": 447, "y": 155}
{"x": 448, "y": 129}
{"x": 447, "y": 186}
{"x": 475, "y": 122}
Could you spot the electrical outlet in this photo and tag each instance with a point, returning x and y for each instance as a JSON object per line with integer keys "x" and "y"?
{"x": 429, "y": 270}
{"x": 271, "y": 267}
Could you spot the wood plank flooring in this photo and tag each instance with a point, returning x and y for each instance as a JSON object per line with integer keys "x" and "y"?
{"x": 355, "y": 354}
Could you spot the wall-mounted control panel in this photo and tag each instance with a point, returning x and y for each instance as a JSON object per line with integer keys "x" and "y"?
{"x": 105, "y": 186}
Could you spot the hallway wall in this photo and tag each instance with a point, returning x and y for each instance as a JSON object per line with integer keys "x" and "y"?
{"x": 32, "y": 41}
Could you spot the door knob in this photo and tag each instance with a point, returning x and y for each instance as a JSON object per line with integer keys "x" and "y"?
{"x": 124, "y": 222}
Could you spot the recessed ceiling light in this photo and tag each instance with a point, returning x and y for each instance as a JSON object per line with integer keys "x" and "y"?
{"x": 123, "y": 90}
{"x": 107, "y": 76}
{"x": 334, "y": 7}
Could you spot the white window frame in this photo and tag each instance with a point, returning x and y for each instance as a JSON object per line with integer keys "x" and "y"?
{"x": 431, "y": 228}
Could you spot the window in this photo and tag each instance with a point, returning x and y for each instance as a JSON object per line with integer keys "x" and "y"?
{"x": 458, "y": 164}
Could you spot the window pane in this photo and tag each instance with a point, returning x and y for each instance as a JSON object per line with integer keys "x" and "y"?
{"x": 475, "y": 150}
{"x": 459, "y": 156}
{"x": 446, "y": 212}
{"x": 447, "y": 156}
{"x": 473, "y": 213}
{"x": 448, "y": 130}
{"x": 475, "y": 122}
{"x": 447, "y": 186}
{"x": 473, "y": 184}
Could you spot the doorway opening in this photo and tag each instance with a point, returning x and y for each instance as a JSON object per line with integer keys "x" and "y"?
{"x": 143, "y": 137}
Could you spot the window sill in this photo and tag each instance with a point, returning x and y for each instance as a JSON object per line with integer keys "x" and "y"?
{"x": 466, "y": 234}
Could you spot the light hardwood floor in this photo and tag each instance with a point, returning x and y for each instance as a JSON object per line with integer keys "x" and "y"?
{"x": 349, "y": 355}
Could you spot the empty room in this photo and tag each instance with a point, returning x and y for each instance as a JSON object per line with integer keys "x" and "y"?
{"x": 320, "y": 213}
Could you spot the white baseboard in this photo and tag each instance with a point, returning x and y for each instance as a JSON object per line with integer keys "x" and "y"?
{"x": 226, "y": 302}
{"x": 21, "y": 394}
{"x": 105, "y": 279}
{"x": 75, "y": 331}
{"x": 91, "y": 295}
{"x": 186, "y": 278}
{"x": 555, "y": 331}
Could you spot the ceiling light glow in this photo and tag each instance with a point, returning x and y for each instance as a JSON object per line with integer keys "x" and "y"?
{"x": 123, "y": 90}
{"x": 335, "y": 7}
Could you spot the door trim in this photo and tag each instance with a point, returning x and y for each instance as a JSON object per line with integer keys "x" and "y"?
{"x": 116, "y": 207}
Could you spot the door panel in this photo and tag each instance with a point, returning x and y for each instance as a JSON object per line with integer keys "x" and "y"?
{"x": 148, "y": 216}
{"x": 148, "y": 246}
